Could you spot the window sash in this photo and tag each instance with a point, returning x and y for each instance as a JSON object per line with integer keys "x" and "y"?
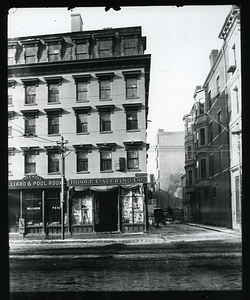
{"x": 82, "y": 123}
{"x": 82, "y": 51}
{"x": 81, "y": 91}
{"x": 106, "y": 160}
{"x": 189, "y": 152}
{"x": 130, "y": 46}
{"x": 105, "y": 89}
{"x": 30, "y": 125}
{"x": 190, "y": 177}
{"x": 30, "y": 94}
{"x": 30, "y": 164}
{"x": 53, "y": 93}
{"x": 131, "y": 87}
{"x": 54, "y": 52}
{"x": 53, "y": 124}
{"x": 203, "y": 169}
{"x": 10, "y": 99}
{"x": 202, "y": 136}
{"x": 105, "y": 48}
{"x": 53, "y": 162}
{"x": 30, "y": 54}
{"x": 132, "y": 121}
{"x": 133, "y": 159}
{"x": 105, "y": 122}
{"x": 82, "y": 161}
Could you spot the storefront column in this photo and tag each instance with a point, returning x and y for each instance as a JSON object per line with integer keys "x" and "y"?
{"x": 146, "y": 206}
{"x": 68, "y": 212}
{"x": 43, "y": 213}
{"x": 118, "y": 209}
{"x": 21, "y": 219}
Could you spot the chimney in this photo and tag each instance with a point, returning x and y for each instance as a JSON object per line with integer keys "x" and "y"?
{"x": 76, "y": 23}
{"x": 213, "y": 55}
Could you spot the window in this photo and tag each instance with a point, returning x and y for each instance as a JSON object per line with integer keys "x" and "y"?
{"x": 236, "y": 97}
{"x": 130, "y": 46}
{"x": 219, "y": 121}
{"x": 54, "y": 52}
{"x": 53, "y": 162}
{"x": 10, "y": 154}
{"x": 212, "y": 165}
{"x": 209, "y": 99}
{"x": 218, "y": 85}
{"x": 30, "y": 54}
{"x": 9, "y": 131}
{"x": 30, "y": 125}
{"x": 30, "y": 163}
{"x": 105, "y": 89}
{"x": 202, "y": 136}
{"x": 189, "y": 152}
{"x": 132, "y": 209}
{"x": 82, "y": 209}
{"x": 203, "y": 170}
{"x": 81, "y": 123}
{"x": 10, "y": 97}
{"x": 33, "y": 208}
{"x": 132, "y": 120}
{"x": 82, "y": 161}
{"x": 214, "y": 191}
{"x": 132, "y": 159}
{"x": 30, "y": 94}
{"x": 211, "y": 131}
{"x": 53, "y": 124}
{"x": 11, "y": 56}
{"x": 81, "y": 91}
{"x": 190, "y": 177}
{"x": 220, "y": 160}
{"x": 131, "y": 87}
{"x": 53, "y": 89}
{"x": 189, "y": 128}
{"x": 201, "y": 108}
{"x": 53, "y": 208}
{"x": 105, "y": 121}
{"x": 106, "y": 160}
{"x": 82, "y": 50}
{"x": 105, "y": 48}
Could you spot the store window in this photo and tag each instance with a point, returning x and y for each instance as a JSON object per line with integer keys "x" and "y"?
{"x": 132, "y": 209}
{"x": 82, "y": 161}
{"x": 33, "y": 208}
{"x": 106, "y": 160}
{"x": 53, "y": 208}
{"x": 82, "y": 211}
{"x": 53, "y": 162}
{"x": 132, "y": 159}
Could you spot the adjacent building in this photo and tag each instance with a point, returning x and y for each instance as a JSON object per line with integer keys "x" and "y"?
{"x": 88, "y": 89}
{"x": 213, "y": 154}
{"x": 170, "y": 157}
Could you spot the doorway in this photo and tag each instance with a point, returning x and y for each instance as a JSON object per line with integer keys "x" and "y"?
{"x": 106, "y": 211}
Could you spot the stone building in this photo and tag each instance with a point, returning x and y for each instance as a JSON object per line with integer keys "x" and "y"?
{"x": 89, "y": 89}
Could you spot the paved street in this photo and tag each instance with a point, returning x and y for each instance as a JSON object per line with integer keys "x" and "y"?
{"x": 175, "y": 257}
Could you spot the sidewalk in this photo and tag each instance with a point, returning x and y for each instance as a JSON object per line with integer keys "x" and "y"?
{"x": 163, "y": 234}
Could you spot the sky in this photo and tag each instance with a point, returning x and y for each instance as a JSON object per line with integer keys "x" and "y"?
{"x": 178, "y": 39}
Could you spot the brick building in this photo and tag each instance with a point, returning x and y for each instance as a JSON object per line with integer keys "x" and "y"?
{"x": 91, "y": 89}
{"x": 211, "y": 154}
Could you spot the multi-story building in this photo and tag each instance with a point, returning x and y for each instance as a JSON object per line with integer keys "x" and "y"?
{"x": 170, "y": 154}
{"x": 89, "y": 89}
{"x": 208, "y": 138}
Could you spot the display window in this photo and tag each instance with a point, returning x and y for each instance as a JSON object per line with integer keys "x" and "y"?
{"x": 82, "y": 209}
{"x": 132, "y": 209}
{"x": 33, "y": 208}
{"x": 53, "y": 208}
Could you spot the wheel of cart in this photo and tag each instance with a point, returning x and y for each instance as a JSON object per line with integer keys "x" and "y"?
{"x": 159, "y": 217}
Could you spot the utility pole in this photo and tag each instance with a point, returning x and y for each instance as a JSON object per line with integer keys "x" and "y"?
{"x": 62, "y": 144}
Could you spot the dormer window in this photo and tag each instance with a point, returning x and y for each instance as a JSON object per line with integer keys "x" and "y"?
{"x": 105, "y": 47}
{"x": 54, "y": 47}
{"x": 130, "y": 45}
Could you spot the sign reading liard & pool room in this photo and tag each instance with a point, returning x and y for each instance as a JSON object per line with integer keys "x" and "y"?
{"x": 34, "y": 181}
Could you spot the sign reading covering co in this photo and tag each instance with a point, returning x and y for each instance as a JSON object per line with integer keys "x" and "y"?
{"x": 34, "y": 181}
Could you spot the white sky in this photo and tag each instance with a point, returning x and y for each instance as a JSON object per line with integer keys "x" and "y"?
{"x": 178, "y": 39}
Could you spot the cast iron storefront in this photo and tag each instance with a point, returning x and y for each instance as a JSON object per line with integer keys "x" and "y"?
{"x": 91, "y": 205}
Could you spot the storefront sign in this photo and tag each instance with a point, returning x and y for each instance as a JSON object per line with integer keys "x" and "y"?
{"x": 34, "y": 181}
{"x": 107, "y": 181}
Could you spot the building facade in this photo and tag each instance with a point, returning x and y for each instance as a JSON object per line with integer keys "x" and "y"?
{"x": 211, "y": 154}
{"x": 170, "y": 154}
{"x": 90, "y": 90}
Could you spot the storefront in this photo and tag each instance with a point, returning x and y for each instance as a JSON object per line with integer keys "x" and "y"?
{"x": 91, "y": 205}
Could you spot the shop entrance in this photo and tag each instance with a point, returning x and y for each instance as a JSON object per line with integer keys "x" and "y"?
{"x": 106, "y": 211}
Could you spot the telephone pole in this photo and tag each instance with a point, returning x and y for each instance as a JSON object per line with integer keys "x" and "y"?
{"x": 62, "y": 144}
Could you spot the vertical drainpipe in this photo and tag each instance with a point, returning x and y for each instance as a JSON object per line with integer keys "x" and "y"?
{"x": 118, "y": 208}
{"x": 43, "y": 212}
{"x": 146, "y": 206}
{"x": 228, "y": 132}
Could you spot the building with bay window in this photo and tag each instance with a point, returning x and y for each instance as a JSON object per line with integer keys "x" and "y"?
{"x": 91, "y": 88}
{"x": 213, "y": 136}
